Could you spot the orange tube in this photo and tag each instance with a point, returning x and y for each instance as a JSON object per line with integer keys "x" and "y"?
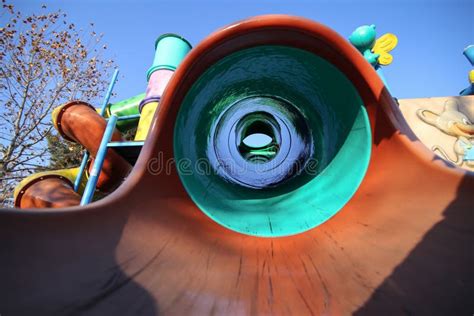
{"x": 50, "y": 191}
{"x": 79, "y": 122}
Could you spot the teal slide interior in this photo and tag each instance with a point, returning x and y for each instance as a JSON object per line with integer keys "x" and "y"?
{"x": 306, "y": 110}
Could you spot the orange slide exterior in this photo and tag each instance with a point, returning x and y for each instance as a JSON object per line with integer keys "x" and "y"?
{"x": 402, "y": 245}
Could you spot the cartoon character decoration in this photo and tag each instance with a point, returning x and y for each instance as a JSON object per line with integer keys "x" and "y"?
{"x": 469, "y": 53}
{"x": 454, "y": 123}
{"x": 375, "y": 51}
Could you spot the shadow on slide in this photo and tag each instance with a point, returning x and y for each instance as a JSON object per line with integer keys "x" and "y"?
{"x": 436, "y": 276}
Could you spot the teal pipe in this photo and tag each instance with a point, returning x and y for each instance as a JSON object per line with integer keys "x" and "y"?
{"x": 170, "y": 50}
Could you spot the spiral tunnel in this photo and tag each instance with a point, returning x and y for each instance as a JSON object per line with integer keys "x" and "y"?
{"x": 318, "y": 149}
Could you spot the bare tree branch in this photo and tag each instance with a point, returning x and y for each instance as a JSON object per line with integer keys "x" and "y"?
{"x": 44, "y": 62}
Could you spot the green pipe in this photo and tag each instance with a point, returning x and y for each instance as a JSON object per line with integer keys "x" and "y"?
{"x": 125, "y": 108}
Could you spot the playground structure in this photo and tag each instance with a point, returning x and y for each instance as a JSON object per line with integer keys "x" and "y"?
{"x": 393, "y": 221}
{"x": 112, "y": 157}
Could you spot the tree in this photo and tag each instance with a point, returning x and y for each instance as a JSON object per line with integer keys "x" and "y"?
{"x": 63, "y": 154}
{"x": 44, "y": 62}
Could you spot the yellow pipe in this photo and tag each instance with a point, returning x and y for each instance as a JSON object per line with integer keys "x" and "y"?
{"x": 107, "y": 111}
{"x": 69, "y": 174}
{"x": 55, "y": 114}
{"x": 146, "y": 117}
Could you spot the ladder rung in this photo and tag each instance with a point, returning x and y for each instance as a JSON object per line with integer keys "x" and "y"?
{"x": 125, "y": 144}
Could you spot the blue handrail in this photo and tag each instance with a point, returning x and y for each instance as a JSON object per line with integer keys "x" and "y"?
{"x": 78, "y": 180}
{"x": 99, "y": 161}
{"x": 86, "y": 155}
{"x": 109, "y": 92}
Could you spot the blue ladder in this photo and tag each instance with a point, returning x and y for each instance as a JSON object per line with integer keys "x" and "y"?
{"x": 129, "y": 149}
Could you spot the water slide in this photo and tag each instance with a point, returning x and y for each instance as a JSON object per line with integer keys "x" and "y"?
{"x": 378, "y": 225}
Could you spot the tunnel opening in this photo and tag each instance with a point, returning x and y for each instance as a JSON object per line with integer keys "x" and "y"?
{"x": 259, "y": 137}
{"x": 286, "y": 135}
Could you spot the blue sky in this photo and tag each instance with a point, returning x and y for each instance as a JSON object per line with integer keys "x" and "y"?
{"x": 427, "y": 62}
